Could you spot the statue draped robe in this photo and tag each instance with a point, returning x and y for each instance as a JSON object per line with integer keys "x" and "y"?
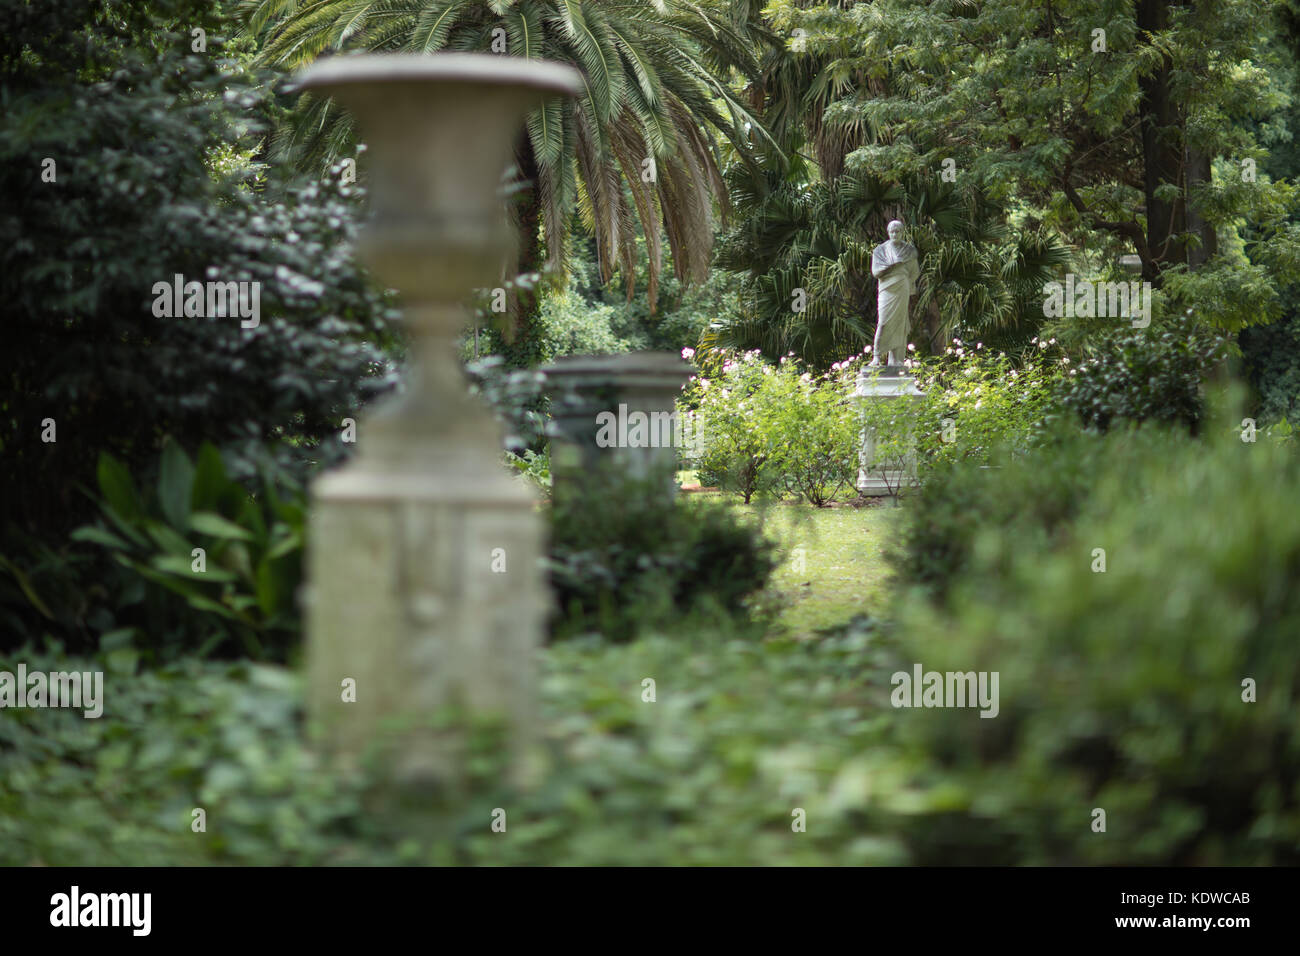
{"x": 895, "y": 266}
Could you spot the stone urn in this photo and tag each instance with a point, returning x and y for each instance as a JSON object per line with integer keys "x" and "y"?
{"x": 424, "y": 592}
{"x": 616, "y": 412}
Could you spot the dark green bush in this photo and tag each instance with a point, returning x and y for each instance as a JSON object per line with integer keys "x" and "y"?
{"x": 1139, "y": 375}
{"x": 517, "y": 398}
{"x": 156, "y": 152}
{"x": 121, "y": 789}
{"x": 1032, "y": 497}
{"x": 1271, "y": 356}
{"x": 624, "y": 557}
{"x": 138, "y": 126}
{"x": 1122, "y": 689}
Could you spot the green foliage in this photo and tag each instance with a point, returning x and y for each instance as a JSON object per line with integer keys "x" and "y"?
{"x": 587, "y": 316}
{"x": 731, "y": 420}
{"x": 517, "y": 398}
{"x": 977, "y": 402}
{"x": 626, "y": 557}
{"x": 775, "y": 429}
{"x": 204, "y": 567}
{"x": 683, "y": 311}
{"x": 47, "y": 589}
{"x": 1031, "y": 496}
{"x": 810, "y": 426}
{"x": 535, "y": 467}
{"x": 780, "y": 429}
{"x": 1123, "y": 690}
{"x": 1152, "y": 374}
{"x": 569, "y": 325}
{"x": 742, "y": 733}
{"x": 1271, "y": 355}
{"x": 139, "y": 127}
{"x": 803, "y": 251}
{"x": 656, "y": 88}
{"x": 1145, "y": 147}
{"x": 120, "y": 789}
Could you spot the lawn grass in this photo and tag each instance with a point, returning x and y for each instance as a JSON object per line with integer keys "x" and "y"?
{"x": 832, "y": 566}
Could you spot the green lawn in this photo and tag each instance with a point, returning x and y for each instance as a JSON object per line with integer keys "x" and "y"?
{"x": 832, "y": 560}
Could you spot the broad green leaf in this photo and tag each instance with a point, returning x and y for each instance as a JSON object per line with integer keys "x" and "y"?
{"x": 175, "y": 484}
{"x": 242, "y": 602}
{"x": 250, "y": 516}
{"x": 124, "y": 526}
{"x": 270, "y": 587}
{"x": 97, "y": 535}
{"x": 191, "y": 593}
{"x": 167, "y": 539}
{"x": 123, "y": 659}
{"x": 26, "y": 586}
{"x": 206, "y": 522}
{"x": 174, "y": 564}
{"x": 284, "y": 541}
{"x": 119, "y": 638}
{"x": 209, "y": 479}
{"x": 201, "y": 603}
{"x": 116, "y": 486}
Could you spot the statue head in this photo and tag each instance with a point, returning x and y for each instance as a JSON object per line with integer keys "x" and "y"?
{"x": 896, "y": 229}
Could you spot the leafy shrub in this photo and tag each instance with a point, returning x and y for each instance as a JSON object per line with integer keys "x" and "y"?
{"x": 135, "y": 203}
{"x": 156, "y": 175}
{"x": 1272, "y": 365}
{"x": 759, "y": 727}
{"x": 625, "y": 557}
{"x": 811, "y": 423}
{"x": 49, "y": 591}
{"x": 517, "y": 397}
{"x": 1122, "y": 690}
{"x": 979, "y": 403}
{"x": 730, "y": 417}
{"x": 120, "y": 789}
{"x": 683, "y": 311}
{"x": 205, "y": 567}
{"x": 535, "y": 467}
{"x": 572, "y": 326}
{"x": 775, "y": 428}
{"x": 1033, "y": 496}
{"x": 1139, "y": 375}
{"x": 783, "y": 429}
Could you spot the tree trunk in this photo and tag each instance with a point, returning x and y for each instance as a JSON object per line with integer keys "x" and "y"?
{"x": 1162, "y": 152}
{"x": 522, "y": 345}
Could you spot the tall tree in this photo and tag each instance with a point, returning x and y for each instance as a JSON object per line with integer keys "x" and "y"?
{"x": 635, "y": 148}
{"x": 1124, "y": 123}
{"x": 814, "y": 210}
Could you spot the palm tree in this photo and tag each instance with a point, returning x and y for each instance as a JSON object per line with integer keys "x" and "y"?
{"x": 635, "y": 148}
{"x": 811, "y": 216}
{"x": 805, "y": 252}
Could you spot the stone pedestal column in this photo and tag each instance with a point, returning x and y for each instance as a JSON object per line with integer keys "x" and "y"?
{"x": 424, "y": 587}
{"x": 876, "y": 476}
{"x": 616, "y": 411}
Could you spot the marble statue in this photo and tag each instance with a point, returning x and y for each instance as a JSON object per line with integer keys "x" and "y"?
{"x": 895, "y": 266}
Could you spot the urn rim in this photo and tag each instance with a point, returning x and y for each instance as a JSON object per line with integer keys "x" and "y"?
{"x": 480, "y": 69}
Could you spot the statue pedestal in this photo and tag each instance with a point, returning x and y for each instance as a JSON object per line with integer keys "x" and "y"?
{"x": 878, "y": 473}
{"x": 616, "y": 411}
{"x": 426, "y": 593}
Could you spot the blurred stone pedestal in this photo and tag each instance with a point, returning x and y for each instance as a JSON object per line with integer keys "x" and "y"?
{"x": 616, "y": 412}
{"x": 426, "y": 603}
{"x": 877, "y": 477}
